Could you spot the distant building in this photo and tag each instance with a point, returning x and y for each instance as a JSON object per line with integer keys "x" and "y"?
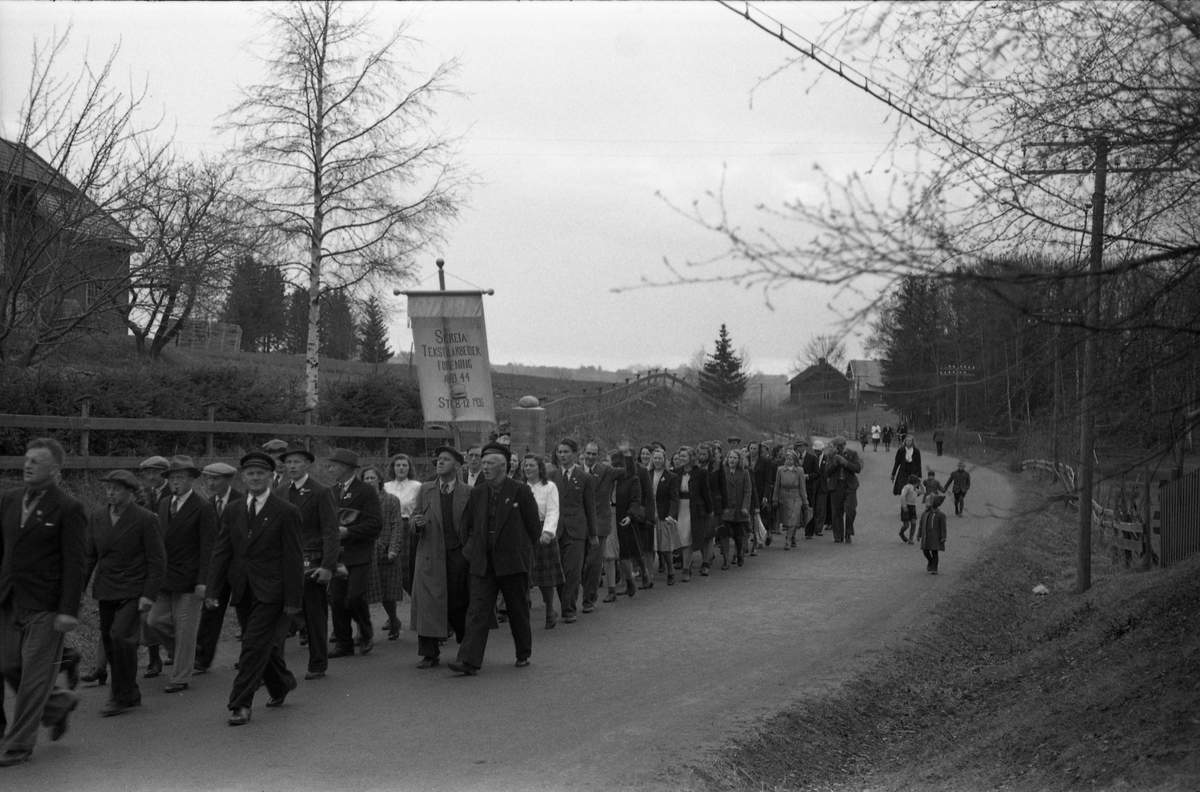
{"x": 820, "y": 384}
{"x": 68, "y": 254}
{"x": 866, "y": 379}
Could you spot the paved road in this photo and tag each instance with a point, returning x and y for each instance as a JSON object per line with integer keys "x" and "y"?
{"x": 621, "y": 700}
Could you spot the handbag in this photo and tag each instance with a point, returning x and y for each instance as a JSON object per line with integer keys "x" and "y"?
{"x": 760, "y": 530}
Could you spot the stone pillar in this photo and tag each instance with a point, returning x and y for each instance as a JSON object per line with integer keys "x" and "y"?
{"x": 528, "y": 422}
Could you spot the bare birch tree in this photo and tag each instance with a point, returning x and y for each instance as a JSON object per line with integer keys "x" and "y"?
{"x": 338, "y": 152}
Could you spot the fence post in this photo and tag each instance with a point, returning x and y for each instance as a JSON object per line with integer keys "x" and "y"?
{"x": 1147, "y": 515}
{"x": 85, "y": 411}
{"x": 210, "y": 446}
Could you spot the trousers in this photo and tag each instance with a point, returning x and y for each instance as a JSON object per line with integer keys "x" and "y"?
{"x": 261, "y": 661}
{"x": 30, "y": 653}
{"x": 175, "y": 620}
{"x": 484, "y": 590}
{"x": 348, "y": 604}
{"x": 120, "y": 623}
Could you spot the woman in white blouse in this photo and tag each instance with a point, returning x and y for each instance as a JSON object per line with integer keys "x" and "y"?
{"x": 402, "y": 482}
{"x": 547, "y": 572}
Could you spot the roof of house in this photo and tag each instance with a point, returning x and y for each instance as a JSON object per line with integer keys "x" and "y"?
{"x": 58, "y": 200}
{"x": 869, "y": 374}
{"x": 820, "y": 368}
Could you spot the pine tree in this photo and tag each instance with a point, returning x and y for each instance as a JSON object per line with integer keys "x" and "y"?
{"x": 257, "y": 302}
{"x": 296, "y": 333}
{"x": 722, "y": 377}
{"x": 338, "y": 330}
{"x": 373, "y": 334}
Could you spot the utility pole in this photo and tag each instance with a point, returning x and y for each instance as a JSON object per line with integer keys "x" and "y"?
{"x": 956, "y": 371}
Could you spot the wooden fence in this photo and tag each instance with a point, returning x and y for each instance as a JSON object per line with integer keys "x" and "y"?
{"x": 1180, "y": 504}
{"x": 85, "y": 424}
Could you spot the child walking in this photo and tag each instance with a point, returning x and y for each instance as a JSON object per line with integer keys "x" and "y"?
{"x": 958, "y": 484}
{"x": 930, "y": 487}
{"x": 909, "y": 497}
{"x": 932, "y": 533}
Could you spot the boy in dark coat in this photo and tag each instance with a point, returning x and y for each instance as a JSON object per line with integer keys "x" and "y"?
{"x": 932, "y": 533}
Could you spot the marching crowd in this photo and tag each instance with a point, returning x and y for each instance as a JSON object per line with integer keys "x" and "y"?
{"x": 294, "y": 556}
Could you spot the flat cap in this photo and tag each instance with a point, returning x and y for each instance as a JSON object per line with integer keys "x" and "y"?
{"x": 219, "y": 469}
{"x": 497, "y": 448}
{"x": 123, "y": 477}
{"x": 154, "y": 463}
{"x": 452, "y": 451}
{"x": 274, "y": 446}
{"x": 838, "y": 441}
{"x": 345, "y": 456}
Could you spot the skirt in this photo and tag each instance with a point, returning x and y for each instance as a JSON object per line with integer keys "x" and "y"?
{"x": 733, "y": 530}
{"x": 667, "y": 536}
{"x": 791, "y": 508}
{"x": 612, "y": 546}
{"x": 703, "y": 531}
{"x": 374, "y": 586}
{"x": 391, "y": 576}
{"x": 684, "y": 526}
{"x": 547, "y": 567}
{"x": 628, "y": 542}
{"x": 646, "y": 536}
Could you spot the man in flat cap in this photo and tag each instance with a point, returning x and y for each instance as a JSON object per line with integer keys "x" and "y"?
{"x": 218, "y": 481}
{"x": 440, "y": 589}
{"x": 125, "y": 549}
{"x": 154, "y": 486}
{"x": 841, "y": 468}
{"x": 361, "y": 521}
{"x": 501, "y": 524}
{"x": 189, "y": 527}
{"x": 319, "y": 537}
{"x": 258, "y": 556}
{"x": 42, "y": 531}
{"x": 275, "y": 447}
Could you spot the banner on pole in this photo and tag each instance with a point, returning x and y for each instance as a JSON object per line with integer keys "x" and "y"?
{"x": 451, "y": 355}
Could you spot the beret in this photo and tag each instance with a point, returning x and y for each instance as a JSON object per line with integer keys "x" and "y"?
{"x": 497, "y": 448}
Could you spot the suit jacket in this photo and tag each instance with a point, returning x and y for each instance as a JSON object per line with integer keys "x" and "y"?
{"x": 42, "y": 563}
{"x": 318, "y": 519}
{"x": 464, "y": 476}
{"x": 848, "y": 472}
{"x": 262, "y": 556}
{"x": 188, "y": 541}
{"x": 576, "y": 504}
{"x": 358, "y": 546}
{"x": 603, "y": 476}
{"x": 737, "y": 494}
{"x": 430, "y": 591}
{"x": 154, "y": 496}
{"x": 699, "y": 498}
{"x": 666, "y": 496}
{"x": 517, "y": 528}
{"x": 128, "y": 557}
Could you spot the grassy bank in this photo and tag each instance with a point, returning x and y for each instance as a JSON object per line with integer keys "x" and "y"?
{"x": 1003, "y": 689}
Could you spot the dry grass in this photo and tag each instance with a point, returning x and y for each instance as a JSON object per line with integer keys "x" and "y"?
{"x": 1007, "y": 690}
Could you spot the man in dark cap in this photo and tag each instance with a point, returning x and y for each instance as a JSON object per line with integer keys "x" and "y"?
{"x": 218, "y": 480}
{"x": 841, "y": 469}
{"x": 259, "y": 556}
{"x": 275, "y": 447}
{"x": 361, "y": 520}
{"x": 189, "y": 528}
{"x": 440, "y": 589}
{"x": 501, "y": 524}
{"x": 41, "y": 581}
{"x": 125, "y": 549}
{"x": 154, "y": 486}
{"x": 319, "y": 535}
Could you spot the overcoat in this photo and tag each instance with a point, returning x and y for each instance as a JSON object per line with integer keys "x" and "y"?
{"x": 127, "y": 556}
{"x": 430, "y": 599}
{"x": 932, "y": 532}
{"x": 903, "y": 469}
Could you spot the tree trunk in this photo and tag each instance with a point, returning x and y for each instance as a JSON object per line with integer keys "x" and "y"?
{"x": 312, "y": 359}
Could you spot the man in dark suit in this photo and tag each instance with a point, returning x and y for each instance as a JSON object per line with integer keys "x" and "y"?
{"x": 576, "y": 522}
{"x": 42, "y": 532}
{"x": 125, "y": 549}
{"x": 841, "y": 468}
{"x": 218, "y": 481}
{"x": 189, "y": 528}
{"x": 275, "y": 448}
{"x": 501, "y": 524}
{"x": 154, "y": 489}
{"x": 258, "y": 555}
{"x": 594, "y": 564}
{"x": 810, "y": 464}
{"x": 319, "y": 536}
{"x": 361, "y": 520}
{"x": 472, "y": 472}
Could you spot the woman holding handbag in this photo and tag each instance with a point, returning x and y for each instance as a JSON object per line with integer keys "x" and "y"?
{"x": 665, "y": 502}
{"x": 695, "y": 506}
{"x": 790, "y": 498}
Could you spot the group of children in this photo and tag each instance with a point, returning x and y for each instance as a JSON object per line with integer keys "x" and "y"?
{"x": 930, "y": 529}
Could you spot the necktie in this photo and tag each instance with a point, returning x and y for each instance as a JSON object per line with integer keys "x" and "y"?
{"x": 174, "y": 505}
{"x": 253, "y": 508}
{"x": 28, "y": 505}
{"x": 445, "y": 489}
{"x": 219, "y": 504}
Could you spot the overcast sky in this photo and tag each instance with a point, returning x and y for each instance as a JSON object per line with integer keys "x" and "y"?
{"x": 575, "y": 116}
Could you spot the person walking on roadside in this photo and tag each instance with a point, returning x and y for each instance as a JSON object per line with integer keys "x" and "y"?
{"x": 154, "y": 490}
{"x": 932, "y": 534}
{"x": 645, "y": 526}
{"x": 909, "y": 497}
{"x": 886, "y": 436}
{"x": 259, "y": 554}
{"x": 546, "y": 573}
{"x": 959, "y": 484}
{"x": 598, "y": 562}
{"x": 189, "y": 528}
{"x": 790, "y": 498}
{"x": 125, "y": 550}
{"x": 737, "y": 499}
{"x": 841, "y": 474}
{"x": 218, "y": 481}
{"x": 822, "y": 511}
{"x": 404, "y": 485}
{"x": 42, "y": 531}
{"x": 875, "y": 436}
{"x": 577, "y": 533}
{"x": 440, "y": 593}
{"x": 390, "y": 579}
{"x": 360, "y": 519}
{"x": 627, "y": 514}
{"x": 863, "y": 437}
{"x": 908, "y": 463}
{"x": 501, "y": 525}
{"x": 663, "y": 507}
{"x": 695, "y": 508}
{"x": 939, "y": 437}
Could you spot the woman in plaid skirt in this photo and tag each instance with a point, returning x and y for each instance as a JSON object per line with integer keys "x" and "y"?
{"x": 547, "y": 572}
{"x": 386, "y": 586}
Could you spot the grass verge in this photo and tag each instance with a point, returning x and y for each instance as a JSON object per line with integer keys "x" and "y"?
{"x": 1003, "y": 689}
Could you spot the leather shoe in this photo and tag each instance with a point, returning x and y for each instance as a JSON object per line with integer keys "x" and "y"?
{"x": 522, "y": 663}
{"x": 277, "y": 701}
{"x": 589, "y": 608}
{"x": 176, "y": 687}
{"x": 462, "y": 668}
{"x": 366, "y": 646}
{"x": 612, "y": 597}
{"x": 14, "y": 757}
{"x": 199, "y": 669}
{"x": 340, "y": 651}
{"x": 114, "y": 707}
{"x": 429, "y": 662}
{"x": 311, "y": 675}
{"x": 239, "y": 716}
{"x": 97, "y": 675}
{"x": 60, "y": 726}
{"x": 569, "y": 618}
{"x": 153, "y": 669}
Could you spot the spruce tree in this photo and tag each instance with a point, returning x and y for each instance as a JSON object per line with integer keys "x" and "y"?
{"x": 373, "y": 334}
{"x": 296, "y": 333}
{"x": 338, "y": 330}
{"x": 722, "y": 377}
